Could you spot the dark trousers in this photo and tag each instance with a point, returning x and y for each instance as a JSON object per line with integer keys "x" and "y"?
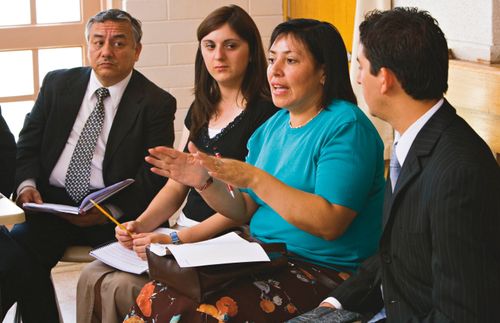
{"x": 20, "y": 279}
{"x": 32, "y": 249}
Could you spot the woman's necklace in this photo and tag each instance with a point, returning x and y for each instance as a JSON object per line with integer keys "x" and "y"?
{"x": 303, "y": 124}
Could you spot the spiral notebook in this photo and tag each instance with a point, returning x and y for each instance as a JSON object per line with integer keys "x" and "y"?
{"x": 117, "y": 256}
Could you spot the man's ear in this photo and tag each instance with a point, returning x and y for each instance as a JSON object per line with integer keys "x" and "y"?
{"x": 387, "y": 80}
{"x": 138, "y": 49}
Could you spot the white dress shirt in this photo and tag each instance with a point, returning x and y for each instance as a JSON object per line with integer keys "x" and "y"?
{"x": 405, "y": 140}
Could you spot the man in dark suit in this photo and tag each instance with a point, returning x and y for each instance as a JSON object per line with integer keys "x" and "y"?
{"x": 109, "y": 107}
{"x": 7, "y": 158}
{"x": 439, "y": 255}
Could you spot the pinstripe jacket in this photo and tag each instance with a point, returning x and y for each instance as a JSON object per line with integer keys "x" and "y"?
{"x": 439, "y": 255}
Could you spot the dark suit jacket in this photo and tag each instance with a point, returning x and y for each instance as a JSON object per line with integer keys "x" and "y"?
{"x": 144, "y": 119}
{"x": 7, "y": 158}
{"x": 439, "y": 257}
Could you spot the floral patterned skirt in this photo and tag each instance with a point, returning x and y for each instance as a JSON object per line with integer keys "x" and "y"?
{"x": 270, "y": 297}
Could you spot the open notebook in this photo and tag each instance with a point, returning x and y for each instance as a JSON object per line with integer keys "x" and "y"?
{"x": 115, "y": 255}
{"x": 97, "y": 196}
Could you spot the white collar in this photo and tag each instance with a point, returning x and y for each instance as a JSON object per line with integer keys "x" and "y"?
{"x": 115, "y": 91}
{"x": 405, "y": 140}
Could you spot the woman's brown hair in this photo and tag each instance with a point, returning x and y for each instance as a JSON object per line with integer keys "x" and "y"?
{"x": 206, "y": 90}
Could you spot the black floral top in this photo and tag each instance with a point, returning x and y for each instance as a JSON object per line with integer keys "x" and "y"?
{"x": 231, "y": 142}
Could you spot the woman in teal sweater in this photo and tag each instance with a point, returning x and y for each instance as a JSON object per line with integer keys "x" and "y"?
{"x": 313, "y": 179}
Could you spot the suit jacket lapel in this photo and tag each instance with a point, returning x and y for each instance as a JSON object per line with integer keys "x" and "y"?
{"x": 125, "y": 117}
{"x": 421, "y": 148}
{"x": 67, "y": 105}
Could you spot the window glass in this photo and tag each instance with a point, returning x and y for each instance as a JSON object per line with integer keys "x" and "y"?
{"x": 16, "y": 77}
{"x": 14, "y": 114}
{"x": 15, "y": 14}
{"x": 52, "y": 11}
{"x": 57, "y": 58}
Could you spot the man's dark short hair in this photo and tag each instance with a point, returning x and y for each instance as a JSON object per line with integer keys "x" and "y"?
{"x": 410, "y": 43}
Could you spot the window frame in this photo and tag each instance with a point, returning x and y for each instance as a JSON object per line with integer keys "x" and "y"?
{"x": 41, "y": 36}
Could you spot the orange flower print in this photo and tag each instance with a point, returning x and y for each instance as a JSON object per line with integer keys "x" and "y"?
{"x": 267, "y": 306}
{"x": 227, "y": 305}
{"x": 144, "y": 299}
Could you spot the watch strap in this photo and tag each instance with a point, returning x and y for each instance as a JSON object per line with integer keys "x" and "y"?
{"x": 175, "y": 237}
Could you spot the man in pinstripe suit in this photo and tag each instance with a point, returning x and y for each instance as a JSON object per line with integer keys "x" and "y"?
{"x": 439, "y": 255}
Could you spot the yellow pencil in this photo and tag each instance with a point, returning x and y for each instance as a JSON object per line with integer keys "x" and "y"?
{"x": 103, "y": 211}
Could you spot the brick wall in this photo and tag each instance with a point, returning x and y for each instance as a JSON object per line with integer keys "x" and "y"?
{"x": 169, "y": 41}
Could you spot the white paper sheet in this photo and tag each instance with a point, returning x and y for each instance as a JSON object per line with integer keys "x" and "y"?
{"x": 226, "y": 249}
{"x": 119, "y": 257}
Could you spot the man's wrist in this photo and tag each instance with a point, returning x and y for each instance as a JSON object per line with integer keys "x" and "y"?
{"x": 333, "y": 302}
{"x": 28, "y": 183}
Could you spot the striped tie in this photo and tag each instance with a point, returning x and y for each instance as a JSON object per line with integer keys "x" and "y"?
{"x": 394, "y": 167}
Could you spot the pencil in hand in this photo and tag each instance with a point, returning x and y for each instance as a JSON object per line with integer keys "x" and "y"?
{"x": 103, "y": 211}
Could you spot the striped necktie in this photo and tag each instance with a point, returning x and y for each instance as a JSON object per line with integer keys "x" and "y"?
{"x": 394, "y": 167}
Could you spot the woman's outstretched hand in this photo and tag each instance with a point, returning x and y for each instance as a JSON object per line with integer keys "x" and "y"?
{"x": 177, "y": 165}
{"x": 233, "y": 172}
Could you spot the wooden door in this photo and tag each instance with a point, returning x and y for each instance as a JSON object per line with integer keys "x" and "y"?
{"x": 338, "y": 12}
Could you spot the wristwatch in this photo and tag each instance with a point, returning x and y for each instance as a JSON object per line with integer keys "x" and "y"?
{"x": 175, "y": 237}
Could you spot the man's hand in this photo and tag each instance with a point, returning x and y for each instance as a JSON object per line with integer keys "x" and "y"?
{"x": 87, "y": 219}
{"x": 326, "y": 304}
{"x": 324, "y": 313}
{"x": 28, "y": 194}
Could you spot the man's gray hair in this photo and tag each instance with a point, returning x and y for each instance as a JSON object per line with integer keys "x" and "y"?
{"x": 116, "y": 15}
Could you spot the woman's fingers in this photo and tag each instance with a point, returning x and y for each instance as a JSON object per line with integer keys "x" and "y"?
{"x": 161, "y": 172}
{"x": 164, "y": 152}
{"x": 141, "y": 241}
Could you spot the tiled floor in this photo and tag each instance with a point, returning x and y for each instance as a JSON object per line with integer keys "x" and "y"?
{"x": 65, "y": 276}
